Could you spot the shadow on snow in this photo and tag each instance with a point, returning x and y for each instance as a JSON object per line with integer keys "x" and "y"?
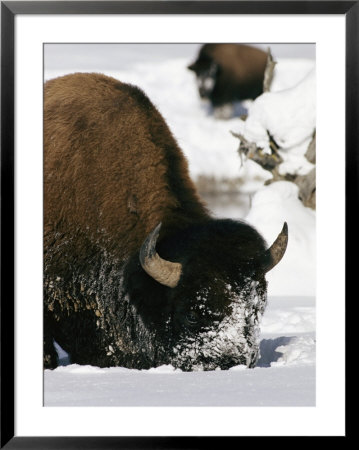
{"x": 268, "y": 350}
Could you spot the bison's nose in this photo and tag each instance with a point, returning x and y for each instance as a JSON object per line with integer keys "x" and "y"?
{"x": 228, "y": 361}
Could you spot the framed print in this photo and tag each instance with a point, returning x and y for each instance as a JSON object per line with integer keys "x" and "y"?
{"x": 176, "y": 182}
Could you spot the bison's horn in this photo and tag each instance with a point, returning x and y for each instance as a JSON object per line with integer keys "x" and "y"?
{"x": 275, "y": 253}
{"x": 165, "y": 272}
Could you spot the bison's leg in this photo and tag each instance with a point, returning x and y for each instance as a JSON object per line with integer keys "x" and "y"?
{"x": 50, "y": 354}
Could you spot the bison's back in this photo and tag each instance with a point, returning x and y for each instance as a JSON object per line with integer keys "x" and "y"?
{"x": 112, "y": 169}
{"x": 241, "y": 71}
{"x": 245, "y": 62}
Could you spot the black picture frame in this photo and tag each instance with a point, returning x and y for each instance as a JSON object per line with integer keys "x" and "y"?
{"x": 9, "y": 10}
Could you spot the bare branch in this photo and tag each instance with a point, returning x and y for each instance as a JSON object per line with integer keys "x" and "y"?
{"x": 269, "y": 71}
{"x": 251, "y": 151}
{"x": 307, "y": 188}
{"x": 271, "y": 162}
{"x": 311, "y": 152}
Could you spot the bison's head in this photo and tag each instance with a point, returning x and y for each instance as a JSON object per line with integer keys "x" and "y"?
{"x": 207, "y": 72}
{"x": 208, "y": 293}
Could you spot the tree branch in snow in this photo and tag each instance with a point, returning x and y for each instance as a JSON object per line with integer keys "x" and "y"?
{"x": 269, "y": 71}
{"x": 271, "y": 162}
{"x": 251, "y": 151}
{"x": 307, "y": 188}
{"x": 311, "y": 152}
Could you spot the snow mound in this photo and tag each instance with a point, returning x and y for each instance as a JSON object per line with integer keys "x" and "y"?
{"x": 271, "y": 207}
{"x": 288, "y": 72}
{"x": 296, "y": 320}
{"x": 163, "y": 369}
{"x": 289, "y": 117}
{"x": 79, "y": 370}
{"x": 238, "y": 368}
{"x": 300, "y": 350}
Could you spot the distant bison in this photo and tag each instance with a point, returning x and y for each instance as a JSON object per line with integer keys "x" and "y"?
{"x": 136, "y": 271}
{"x": 229, "y": 72}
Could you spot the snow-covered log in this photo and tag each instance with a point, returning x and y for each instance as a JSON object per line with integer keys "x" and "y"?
{"x": 269, "y": 71}
{"x": 279, "y": 135}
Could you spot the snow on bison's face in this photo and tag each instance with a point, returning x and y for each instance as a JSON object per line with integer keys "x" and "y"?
{"x": 208, "y": 296}
{"x": 219, "y": 326}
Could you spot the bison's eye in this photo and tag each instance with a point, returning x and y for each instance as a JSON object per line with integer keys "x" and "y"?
{"x": 192, "y": 318}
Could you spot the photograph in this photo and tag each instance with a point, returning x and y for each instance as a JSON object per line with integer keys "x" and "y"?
{"x": 179, "y": 238}
{"x": 177, "y": 190}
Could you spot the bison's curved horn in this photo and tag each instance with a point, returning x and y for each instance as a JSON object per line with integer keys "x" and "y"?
{"x": 275, "y": 253}
{"x": 165, "y": 272}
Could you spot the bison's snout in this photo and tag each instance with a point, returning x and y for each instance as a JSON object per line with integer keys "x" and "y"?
{"x": 223, "y": 362}
{"x": 228, "y": 361}
{"x": 205, "y": 89}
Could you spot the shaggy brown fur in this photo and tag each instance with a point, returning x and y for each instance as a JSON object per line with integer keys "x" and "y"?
{"x": 240, "y": 71}
{"x": 106, "y": 180}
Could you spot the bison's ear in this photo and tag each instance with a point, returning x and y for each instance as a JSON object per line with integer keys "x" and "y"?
{"x": 192, "y": 66}
{"x": 276, "y": 252}
{"x": 165, "y": 272}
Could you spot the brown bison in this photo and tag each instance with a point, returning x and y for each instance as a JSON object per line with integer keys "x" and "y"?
{"x": 229, "y": 72}
{"x": 136, "y": 271}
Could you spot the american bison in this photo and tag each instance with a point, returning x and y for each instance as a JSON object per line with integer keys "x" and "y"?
{"x": 229, "y": 72}
{"x": 136, "y": 271}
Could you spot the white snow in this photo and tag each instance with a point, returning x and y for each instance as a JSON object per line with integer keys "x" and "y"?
{"x": 290, "y": 118}
{"x": 271, "y": 206}
{"x": 285, "y": 373}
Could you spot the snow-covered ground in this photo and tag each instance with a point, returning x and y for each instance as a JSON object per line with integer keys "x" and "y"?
{"x": 285, "y": 374}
